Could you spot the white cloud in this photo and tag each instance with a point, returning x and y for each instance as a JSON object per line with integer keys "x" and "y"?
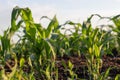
{"x": 42, "y": 10}
{"x": 117, "y": 0}
{"x": 5, "y": 15}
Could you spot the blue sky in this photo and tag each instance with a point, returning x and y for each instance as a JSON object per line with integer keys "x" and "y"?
{"x": 75, "y": 10}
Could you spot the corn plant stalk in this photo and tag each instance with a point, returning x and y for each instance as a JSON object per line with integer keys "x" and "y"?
{"x": 94, "y": 41}
{"x": 116, "y": 29}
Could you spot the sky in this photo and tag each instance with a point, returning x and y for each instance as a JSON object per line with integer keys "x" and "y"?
{"x": 75, "y": 10}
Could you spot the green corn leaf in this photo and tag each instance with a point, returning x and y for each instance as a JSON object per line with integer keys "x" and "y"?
{"x": 84, "y": 28}
{"x": 22, "y": 61}
{"x": 40, "y": 30}
{"x": 116, "y": 21}
{"x": 117, "y": 77}
{"x": 27, "y": 14}
{"x": 5, "y": 42}
{"x": 97, "y": 50}
{"x": 47, "y": 72}
{"x": 90, "y": 50}
{"x": 15, "y": 13}
{"x": 51, "y": 50}
{"x": 31, "y": 31}
{"x": 70, "y": 65}
{"x": 106, "y": 74}
{"x": 53, "y": 26}
{"x": 70, "y": 23}
{"x": 30, "y": 27}
{"x": 2, "y": 75}
{"x": 95, "y": 34}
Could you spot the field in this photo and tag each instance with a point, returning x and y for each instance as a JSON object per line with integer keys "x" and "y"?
{"x": 79, "y": 53}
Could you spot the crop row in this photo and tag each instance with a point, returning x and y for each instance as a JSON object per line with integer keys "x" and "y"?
{"x": 38, "y": 48}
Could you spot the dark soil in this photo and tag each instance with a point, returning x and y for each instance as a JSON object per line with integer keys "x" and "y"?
{"x": 80, "y": 67}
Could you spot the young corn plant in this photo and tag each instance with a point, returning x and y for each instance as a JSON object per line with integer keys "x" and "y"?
{"x": 61, "y": 45}
{"x": 93, "y": 45}
{"x": 71, "y": 72}
{"x": 67, "y": 44}
{"x": 39, "y": 49}
{"x": 69, "y": 68}
{"x": 74, "y": 38}
{"x": 105, "y": 75}
{"x": 6, "y": 54}
{"x": 116, "y": 29}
